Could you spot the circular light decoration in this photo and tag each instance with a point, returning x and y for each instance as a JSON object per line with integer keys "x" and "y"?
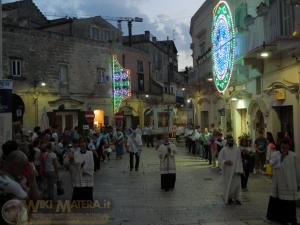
{"x": 222, "y": 45}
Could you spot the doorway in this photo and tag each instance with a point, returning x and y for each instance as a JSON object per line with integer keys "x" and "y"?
{"x": 285, "y": 115}
{"x": 259, "y": 122}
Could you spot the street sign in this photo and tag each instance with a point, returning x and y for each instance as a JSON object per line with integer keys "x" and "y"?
{"x": 86, "y": 127}
{"x": 119, "y": 115}
{"x": 89, "y": 116}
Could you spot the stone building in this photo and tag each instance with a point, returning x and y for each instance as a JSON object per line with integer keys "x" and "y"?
{"x": 263, "y": 92}
{"x": 157, "y": 99}
{"x": 63, "y": 68}
{"x": 71, "y": 57}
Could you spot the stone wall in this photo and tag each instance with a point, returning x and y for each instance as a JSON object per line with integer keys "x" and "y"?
{"x": 42, "y": 53}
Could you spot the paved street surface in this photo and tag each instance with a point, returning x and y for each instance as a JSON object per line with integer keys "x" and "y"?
{"x": 137, "y": 199}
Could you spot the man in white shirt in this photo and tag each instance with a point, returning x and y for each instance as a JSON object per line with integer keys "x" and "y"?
{"x": 134, "y": 145}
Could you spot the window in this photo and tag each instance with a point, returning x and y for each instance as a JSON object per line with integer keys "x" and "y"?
{"x": 140, "y": 67}
{"x": 166, "y": 90}
{"x": 63, "y": 74}
{"x": 95, "y": 33}
{"x": 106, "y": 35}
{"x": 287, "y": 18}
{"x": 101, "y": 75}
{"x": 141, "y": 82}
{"x": 258, "y": 85}
{"x": 240, "y": 14}
{"x": 202, "y": 48}
{"x": 16, "y": 68}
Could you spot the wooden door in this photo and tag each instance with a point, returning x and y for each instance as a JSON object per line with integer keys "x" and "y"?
{"x": 58, "y": 122}
{"x": 69, "y": 121}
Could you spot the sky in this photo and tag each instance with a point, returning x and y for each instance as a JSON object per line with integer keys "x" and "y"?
{"x": 163, "y": 18}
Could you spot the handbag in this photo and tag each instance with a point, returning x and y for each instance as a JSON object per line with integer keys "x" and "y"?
{"x": 60, "y": 188}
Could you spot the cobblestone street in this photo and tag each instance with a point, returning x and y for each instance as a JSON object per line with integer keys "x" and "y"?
{"x": 137, "y": 199}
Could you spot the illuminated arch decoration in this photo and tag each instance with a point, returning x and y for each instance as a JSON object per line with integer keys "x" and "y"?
{"x": 223, "y": 44}
{"x": 121, "y": 84}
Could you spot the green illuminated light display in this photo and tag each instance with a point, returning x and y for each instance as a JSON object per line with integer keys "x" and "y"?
{"x": 223, "y": 44}
{"x": 121, "y": 84}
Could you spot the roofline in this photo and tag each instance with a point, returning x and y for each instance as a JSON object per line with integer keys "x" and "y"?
{"x": 148, "y": 41}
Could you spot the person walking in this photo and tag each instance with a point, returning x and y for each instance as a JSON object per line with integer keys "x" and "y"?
{"x": 245, "y": 153}
{"x": 285, "y": 183}
{"x": 51, "y": 171}
{"x": 134, "y": 146}
{"x": 206, "y": 145}
{"x": 260, "y": 145}
{"x": 230, "y": 162}
{"x": 166, "y": 153}
{"x": 81, "y": 167}
{"x": 119, "y": 143}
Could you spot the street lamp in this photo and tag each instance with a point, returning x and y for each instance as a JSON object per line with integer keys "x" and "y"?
{"x": 264, "y": 54}
{"x": 147, "y": 96}
{"x": 36, "y": 99}
{"x": 183, "y": 89}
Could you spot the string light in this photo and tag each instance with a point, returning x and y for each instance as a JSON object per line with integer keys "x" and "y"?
{"x": 121, "y": 84}
{"x": 223, "y": 44}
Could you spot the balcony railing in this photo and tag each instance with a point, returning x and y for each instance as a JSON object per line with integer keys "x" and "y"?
{"x": 275, "y": 24}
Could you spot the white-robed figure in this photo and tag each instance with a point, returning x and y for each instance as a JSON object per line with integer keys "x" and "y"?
{"x": 230, "y": 161}
{"x": 166, "y": 153}
{"x": 285, "y": 183}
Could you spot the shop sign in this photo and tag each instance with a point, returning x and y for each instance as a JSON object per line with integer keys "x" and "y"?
{"x": 89, "y": 116}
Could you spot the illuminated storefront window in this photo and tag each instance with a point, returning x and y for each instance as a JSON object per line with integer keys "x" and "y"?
{"x": 99, "y": 118}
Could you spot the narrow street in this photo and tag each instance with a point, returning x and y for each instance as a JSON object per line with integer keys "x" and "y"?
{"x": 137, "y": 199}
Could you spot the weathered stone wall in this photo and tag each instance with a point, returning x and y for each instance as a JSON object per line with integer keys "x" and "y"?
{"x": 42, "y": 53}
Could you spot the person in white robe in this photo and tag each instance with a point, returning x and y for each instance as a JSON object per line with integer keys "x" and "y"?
{"x": 81, "y": 167}
{"x": 230, "y": 162}
{"x": 166, "y": 153}
{"x": 285, "y": 183}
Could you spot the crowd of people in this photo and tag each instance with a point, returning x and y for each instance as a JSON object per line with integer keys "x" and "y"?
{"x": 31, "y": 163}
{"x": 236, "y": 162}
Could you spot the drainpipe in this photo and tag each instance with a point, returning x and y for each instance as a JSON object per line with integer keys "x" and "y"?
{"x": 297, "y": 143}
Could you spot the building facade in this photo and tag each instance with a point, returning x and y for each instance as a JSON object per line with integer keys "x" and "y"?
{"x": 63, "y": 70}
{"x": 263, "y": 92}
{"x": 157, "y": 99}
{"x": 71, "y": 58}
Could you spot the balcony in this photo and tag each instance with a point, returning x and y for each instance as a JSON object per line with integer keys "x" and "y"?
{"x": 273, "y": 24}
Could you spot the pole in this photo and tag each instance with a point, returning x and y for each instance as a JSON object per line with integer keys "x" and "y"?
{"x": 130, "y": 32}
{"x": 1, "y": 72}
